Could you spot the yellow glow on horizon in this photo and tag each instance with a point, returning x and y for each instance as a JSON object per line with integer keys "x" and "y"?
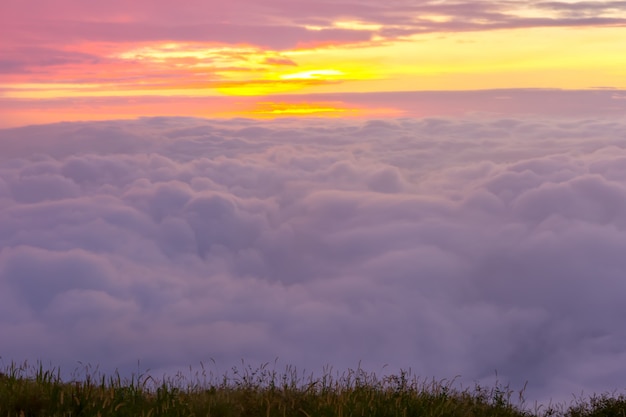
{"x": 565, "y": 58}
{"x": 257, "y": 88}
{"x": 277, "y": 81}
{"x": 282, "y": 109}
{"x": 312, "y": 74}
{"x": 270, "y": 109}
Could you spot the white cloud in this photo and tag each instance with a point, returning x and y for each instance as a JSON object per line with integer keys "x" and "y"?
{"x": 448, "y": 246}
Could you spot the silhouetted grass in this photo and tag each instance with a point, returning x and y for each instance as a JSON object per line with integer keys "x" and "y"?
{"x": 32, "y": 391}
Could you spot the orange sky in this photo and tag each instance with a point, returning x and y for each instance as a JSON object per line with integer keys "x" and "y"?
{"x": 65, "y": 52}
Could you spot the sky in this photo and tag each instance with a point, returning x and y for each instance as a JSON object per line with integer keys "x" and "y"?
{"x": 432, "y": 185}
{"x": 78, "y": 60}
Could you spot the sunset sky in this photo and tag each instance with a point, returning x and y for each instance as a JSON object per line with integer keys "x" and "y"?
{"x": 81, "y": 60}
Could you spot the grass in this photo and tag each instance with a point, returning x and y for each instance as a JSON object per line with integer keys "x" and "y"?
{"x": 33, "y": 391}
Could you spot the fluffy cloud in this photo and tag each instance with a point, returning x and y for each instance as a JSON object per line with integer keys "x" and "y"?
{"x": 448, "y": 246}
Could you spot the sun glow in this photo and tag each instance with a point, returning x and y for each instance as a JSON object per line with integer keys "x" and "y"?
{"x": 566, "y": 58}
{"x": 312, "y": 75}
{"x": 271, "y": 109}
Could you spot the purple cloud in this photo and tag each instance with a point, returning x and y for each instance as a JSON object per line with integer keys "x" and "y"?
{"x": 451, "y": 246}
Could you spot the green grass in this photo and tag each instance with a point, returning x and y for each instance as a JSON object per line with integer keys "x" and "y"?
{"x": 33, "y": 391}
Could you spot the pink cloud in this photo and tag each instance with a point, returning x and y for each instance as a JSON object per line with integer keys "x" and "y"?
{"x": 274, "y": 24}
{"x": 280, "y": 61}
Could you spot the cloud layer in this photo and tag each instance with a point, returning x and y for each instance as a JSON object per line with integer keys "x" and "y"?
{"x": 454, "y": 247}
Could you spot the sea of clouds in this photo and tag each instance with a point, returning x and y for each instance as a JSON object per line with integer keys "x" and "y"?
{"x": 448, "y": 246}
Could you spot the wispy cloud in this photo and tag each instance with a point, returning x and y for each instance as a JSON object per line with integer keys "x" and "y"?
{"x": 279, "y": 24}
